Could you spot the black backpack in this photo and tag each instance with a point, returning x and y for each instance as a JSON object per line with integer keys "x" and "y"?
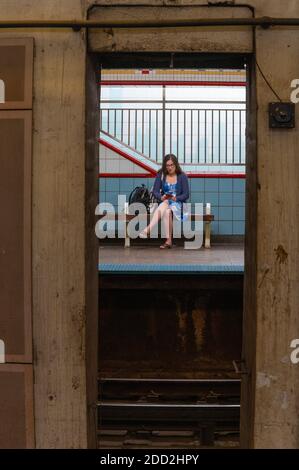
{"x": 142, "y": 195}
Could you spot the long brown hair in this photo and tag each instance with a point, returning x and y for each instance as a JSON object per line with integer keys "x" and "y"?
{"x": 174, "y": 159}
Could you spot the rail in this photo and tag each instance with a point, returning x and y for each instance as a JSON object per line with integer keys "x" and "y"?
{"x": 197, "y": 136}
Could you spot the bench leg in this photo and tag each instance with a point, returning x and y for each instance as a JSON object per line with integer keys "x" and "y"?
{"x": 127, "y": 238}
{"x": 208, "y": 235}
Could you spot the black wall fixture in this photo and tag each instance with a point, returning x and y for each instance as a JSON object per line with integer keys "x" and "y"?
{"x": 282, "y": 115}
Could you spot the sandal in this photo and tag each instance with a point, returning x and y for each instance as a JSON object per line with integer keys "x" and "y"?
{"x": 165, "y": 245}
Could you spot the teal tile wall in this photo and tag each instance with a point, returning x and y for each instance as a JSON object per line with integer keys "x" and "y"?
{"x": 226, "y": 196}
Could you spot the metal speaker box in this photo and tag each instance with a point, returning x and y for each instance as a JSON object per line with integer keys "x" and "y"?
{"x": 282, "y": 115}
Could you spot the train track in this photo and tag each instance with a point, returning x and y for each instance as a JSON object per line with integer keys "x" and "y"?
{"x": 204, "y": 407}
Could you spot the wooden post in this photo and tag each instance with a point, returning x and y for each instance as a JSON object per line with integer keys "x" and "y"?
{"x": 208, "y": 227}
{"x": 127, "y": 238}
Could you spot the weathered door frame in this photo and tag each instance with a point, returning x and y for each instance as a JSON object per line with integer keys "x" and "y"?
{"x": 247, "y": 369}
{"x": 248, "y": 364}
{"x": 92, "y": 127}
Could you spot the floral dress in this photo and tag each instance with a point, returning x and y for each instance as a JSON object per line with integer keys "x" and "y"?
{"x": 178, "y": 209}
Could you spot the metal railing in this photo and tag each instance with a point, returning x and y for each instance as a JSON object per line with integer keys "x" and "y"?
{"x": 197, "y": 136}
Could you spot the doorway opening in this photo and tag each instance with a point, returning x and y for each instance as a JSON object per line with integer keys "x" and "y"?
{"x": 170, "y": 323}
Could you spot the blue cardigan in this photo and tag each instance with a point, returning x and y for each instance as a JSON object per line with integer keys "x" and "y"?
{"x": 182, "y": 187}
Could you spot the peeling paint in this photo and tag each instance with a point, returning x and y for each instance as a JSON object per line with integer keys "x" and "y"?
{"x": 281, "y": 254}
{"x": 75, "y": 383}
{"x": 199, "y": 321}
{"x": 285, "y": 360}
{"x": 264, "y": 380}
{"x": 285, "y": 402}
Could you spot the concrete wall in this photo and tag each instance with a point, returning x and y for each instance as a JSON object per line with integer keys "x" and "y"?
{"x": 277, "y": 380}
{"x": 226, "y": 196}
{"x": 58, "y": 217}
{"x": 58, "y": 221}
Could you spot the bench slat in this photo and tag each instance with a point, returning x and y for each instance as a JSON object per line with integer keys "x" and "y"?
{"x": 128, "y": 217}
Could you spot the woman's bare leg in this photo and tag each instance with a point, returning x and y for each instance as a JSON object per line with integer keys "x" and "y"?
{"x": 158, "y": 214}
{"x": 168, "y": 225}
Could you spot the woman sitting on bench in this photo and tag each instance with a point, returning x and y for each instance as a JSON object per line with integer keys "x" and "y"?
{"x": 171, "y": 189}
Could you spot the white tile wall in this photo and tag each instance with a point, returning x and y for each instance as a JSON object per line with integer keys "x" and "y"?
{"x": 111, "y": 162}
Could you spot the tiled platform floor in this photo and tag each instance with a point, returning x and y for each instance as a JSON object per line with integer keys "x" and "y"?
{"x": 228, "y": 258}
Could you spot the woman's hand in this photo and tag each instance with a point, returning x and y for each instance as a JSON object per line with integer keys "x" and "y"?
{"x": 164, "y": 197}
{"x": 173, "y": 198}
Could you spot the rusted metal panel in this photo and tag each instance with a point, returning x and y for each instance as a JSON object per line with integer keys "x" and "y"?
{"x": 170, "y": 333}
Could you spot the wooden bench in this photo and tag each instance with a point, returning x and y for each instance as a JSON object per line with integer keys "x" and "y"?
{"x": 207, "y": 219}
